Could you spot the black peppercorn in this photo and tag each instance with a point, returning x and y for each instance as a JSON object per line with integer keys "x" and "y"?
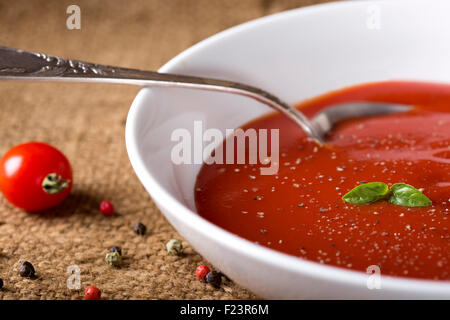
{"x": 214, "y": 278}
{"x": 115, "y": 249}
{"x": 1, "y": 283}
{"x": 140, "y": 229}
{"x": 26, "y": 269}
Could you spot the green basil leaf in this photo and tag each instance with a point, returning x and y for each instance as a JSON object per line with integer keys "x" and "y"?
{"x": 403, "y": 194}
{"x": 367, "y": 193}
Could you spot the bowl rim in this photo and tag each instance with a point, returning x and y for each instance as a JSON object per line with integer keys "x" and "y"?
{"x": 232, "y": 241}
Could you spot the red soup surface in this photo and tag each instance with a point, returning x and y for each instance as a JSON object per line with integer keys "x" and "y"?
{"x": 299, "y": 210}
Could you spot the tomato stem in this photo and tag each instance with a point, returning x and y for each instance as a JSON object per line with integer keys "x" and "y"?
{"x": 53, "y": 183}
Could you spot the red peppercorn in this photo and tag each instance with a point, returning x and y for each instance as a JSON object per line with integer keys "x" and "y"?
{"x": 92, "y": 293}
{"x": 202, "y": 271}
{"x": 106, "y": 208}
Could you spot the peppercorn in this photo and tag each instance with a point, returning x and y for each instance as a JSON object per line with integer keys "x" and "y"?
{"x": 113, "y": 259}
{"x": 115, "y": 249}
{"x": 140, "y": 228}
{"x": 1, "y": 283}
{"x": 202, "y": 271}
{"x": 174, "y": 247}
{"x": 26, "y": 269}
{"x": 214, "y": 278}
{"x": 92, "y": 293}
{"x": 106, "y": 208}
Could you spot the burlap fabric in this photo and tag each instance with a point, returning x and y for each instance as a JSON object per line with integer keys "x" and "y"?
{"x": 87, "y": 123}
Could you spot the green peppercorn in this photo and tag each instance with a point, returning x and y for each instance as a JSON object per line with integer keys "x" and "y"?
{"x": 174, "y": 247}
{"x": 115, "y": 249}
{"x": 113, "y": 259}
{"x": 140, "y": 228}
{"x": 214, "y": 278}
{"x": 26, "y": 269}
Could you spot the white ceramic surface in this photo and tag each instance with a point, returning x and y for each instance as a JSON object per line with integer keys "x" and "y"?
{"x": 295, "y": 54}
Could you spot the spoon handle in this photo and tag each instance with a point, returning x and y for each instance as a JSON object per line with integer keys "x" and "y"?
{"x": 23, "y": 65}
{"x": 15, "y": 64}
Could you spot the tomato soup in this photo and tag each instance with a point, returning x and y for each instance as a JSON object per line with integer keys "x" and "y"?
{"x": 300, "y": 211}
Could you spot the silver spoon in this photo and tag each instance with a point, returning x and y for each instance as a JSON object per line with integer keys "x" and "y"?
{"x": 23, "y": 65}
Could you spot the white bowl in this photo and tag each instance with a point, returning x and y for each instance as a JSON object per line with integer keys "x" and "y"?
{"x": 296, "y": 55}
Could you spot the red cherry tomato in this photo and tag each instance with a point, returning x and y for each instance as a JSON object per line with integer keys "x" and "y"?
{"x": 35, "y": 176}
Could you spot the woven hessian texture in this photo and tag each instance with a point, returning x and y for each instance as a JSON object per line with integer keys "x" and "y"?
{"x": 87, "y": 123}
